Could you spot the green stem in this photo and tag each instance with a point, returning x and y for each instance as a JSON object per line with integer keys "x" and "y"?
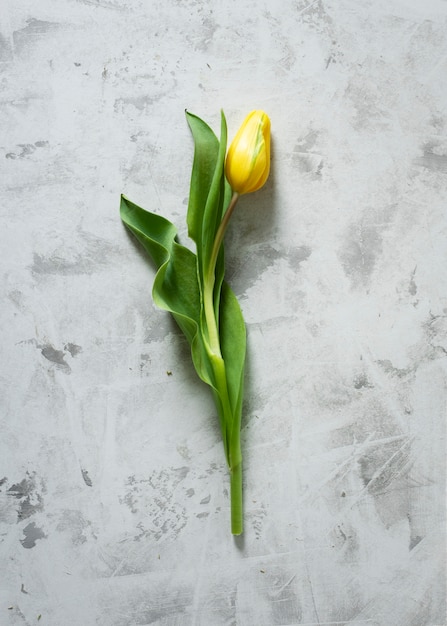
{"x": 226, "y": 417}
{"x": 236, "y": 499}
{"x": 232, "y": 447}
{"x": 210, "y": 277}
{"x": 220, "y": 234}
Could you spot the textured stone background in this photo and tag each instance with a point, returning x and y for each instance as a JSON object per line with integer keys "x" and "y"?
{"x": 113, "y": 491}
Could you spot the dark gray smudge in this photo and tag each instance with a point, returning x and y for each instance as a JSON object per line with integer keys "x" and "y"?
{"x": 74, "y": 523}
{"x": 73, "y": 349}
{"x": 32, "y": 534}
{"x": 30, "y": 500}
{"x": 139, "y": 102}
{"x": 298, "y": 255}
{"x": 389, "y": 368}
{"x": 412, "y": 287}
{"x": 306, "y": 157}
{"x": 5, "y": 51}
{"x": 244, "y": 272}
{"x": 431, "y": 160}
{"x": 26, "y": 149}
{"x": 361, "y": 249}
{"x": 384, "y": 464}
{"x": 163, "y": 514}
{"x": 91, "y": 254}
{"x": 414, "y": 541}
{"x": 34, "y": 28}
{"x": 86, "y": 477}
{"x": 56, "y": 265}
{"x": 53, "y": 355}
{"x": 361, "y": 381}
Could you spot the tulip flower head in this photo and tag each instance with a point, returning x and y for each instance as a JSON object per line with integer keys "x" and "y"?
{"x": 247, "y": 164}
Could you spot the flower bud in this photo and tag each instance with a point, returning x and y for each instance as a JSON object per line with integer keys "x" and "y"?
{"x": 248, "y": 159}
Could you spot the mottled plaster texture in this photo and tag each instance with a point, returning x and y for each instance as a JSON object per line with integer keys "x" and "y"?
{"x": 114, "y": 505}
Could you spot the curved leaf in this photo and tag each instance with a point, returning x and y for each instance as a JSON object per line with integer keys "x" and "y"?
{"x": 233, "y": 344}
{"x": 175, "y": 286}
{"x": 206, "y": 149}
{"x": 209, "y": 195}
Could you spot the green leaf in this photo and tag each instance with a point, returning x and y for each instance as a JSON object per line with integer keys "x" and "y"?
{"x": 206, "y": 149}
{"x": 233, "y": 345}
{"x": 214, "y": 208}
{"x": 175, "y": 286}
{"x": 209, "y": 195}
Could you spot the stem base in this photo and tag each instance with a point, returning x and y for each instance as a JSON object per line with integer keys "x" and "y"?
{"x": 236, "y": 499}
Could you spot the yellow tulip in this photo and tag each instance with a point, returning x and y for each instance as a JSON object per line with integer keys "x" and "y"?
{"x": 248, "y": 159}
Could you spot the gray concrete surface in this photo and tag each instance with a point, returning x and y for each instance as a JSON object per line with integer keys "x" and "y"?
{"x": 113, "y": 490}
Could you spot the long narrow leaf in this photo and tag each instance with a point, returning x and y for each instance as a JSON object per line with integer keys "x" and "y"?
{"x": 206, "y": 149}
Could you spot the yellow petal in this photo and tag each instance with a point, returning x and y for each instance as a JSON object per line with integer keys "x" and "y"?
{"x": 247, "y": 164}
